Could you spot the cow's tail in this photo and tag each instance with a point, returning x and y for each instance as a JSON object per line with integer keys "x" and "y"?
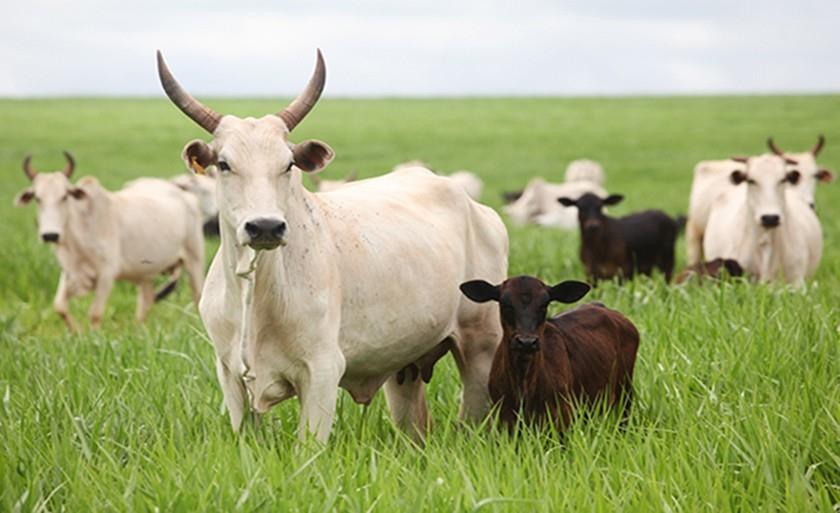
{"x": 170, "y": 284}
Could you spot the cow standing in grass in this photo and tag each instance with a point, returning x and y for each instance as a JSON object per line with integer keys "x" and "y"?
{"x": 712, "y": 178}
{"x": 312, "y": 292}
{"x": 544, "y": 367}
{"x": 761, "y": 224}
{"x": 135, "y": 234}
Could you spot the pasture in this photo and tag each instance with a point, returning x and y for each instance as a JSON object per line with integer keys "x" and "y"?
{"x": 737, "y": 386}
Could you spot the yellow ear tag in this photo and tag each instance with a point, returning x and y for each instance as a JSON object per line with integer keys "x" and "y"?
{"x": 199, "y": 170}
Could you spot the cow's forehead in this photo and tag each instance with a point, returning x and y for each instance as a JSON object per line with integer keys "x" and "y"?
{"x": 50, "y": 184}
{"x": 266, "y": 134}
{"x": 767, "y": 167}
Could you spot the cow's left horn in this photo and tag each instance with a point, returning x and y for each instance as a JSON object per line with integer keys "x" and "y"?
{"x": 206, "y": 117}
{"x": 775, "y": 149}
{"x": 27, "y": 168}
{"x": 818, "y": 147}
{"x": 71, "y": 164}
{"x": 300, "y": 106}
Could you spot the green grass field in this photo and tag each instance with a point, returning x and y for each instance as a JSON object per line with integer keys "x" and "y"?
{"x": 738, "y": 386}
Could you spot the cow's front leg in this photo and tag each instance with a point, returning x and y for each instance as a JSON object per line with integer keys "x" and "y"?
{"x": 233, "y": 389}
{"x": 61, "y": 303}
{"x": 145, "y": 300}
{"x": 104, "y": 284}
{"x": 318, "y": 392}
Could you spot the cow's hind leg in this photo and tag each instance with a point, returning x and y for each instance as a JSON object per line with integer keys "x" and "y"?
{"x": 475, "y": 347}
{"x": 194, "y": 266}
{"x": 407, "y": 403}
{"x": 693, "y": 242}
{"x": 145, "y": 299}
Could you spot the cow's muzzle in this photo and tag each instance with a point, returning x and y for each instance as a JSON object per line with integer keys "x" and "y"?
{"x": 526, "y": 344}
{"x": 770, "y": 220}
{"x": 265, "y": 233}
{"x": 50, "y": 237}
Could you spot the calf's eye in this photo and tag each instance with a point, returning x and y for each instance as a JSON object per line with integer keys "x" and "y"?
{"x": 223, "y": 166}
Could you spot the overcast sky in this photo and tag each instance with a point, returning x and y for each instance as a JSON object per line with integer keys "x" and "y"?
{"x": 428, "y": 48}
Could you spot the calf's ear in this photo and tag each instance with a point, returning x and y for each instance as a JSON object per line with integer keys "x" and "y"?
{"x": 24, "y": 197}
{"x": 613, "y": 199}
{"x": 312, "y": 155}
{"x": 198, "y": 155}
{"x": 825, "y": 176}
{"x": 568, "y": 291}
{"x": 480, "y": 291}
{"x": 567, "y": 202}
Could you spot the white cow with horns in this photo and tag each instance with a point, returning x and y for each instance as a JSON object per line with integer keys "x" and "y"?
{"x": 311, "y": 292}
{"x": 147, "y": 228}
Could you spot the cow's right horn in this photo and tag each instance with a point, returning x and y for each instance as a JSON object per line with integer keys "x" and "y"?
{"x": 71, "y": 164}
{"x": 775, "y": 149}
{"x": 27, "y": 168}
{"x": 206, "y": 117}
{"x": 300, "y": 106}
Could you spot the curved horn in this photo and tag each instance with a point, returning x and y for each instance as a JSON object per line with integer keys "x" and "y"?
{"x": 27, "y": 168}
{"x": 775, "y": 149}
{"x": 818, "y": 147}
{"x": 204, "y": 116}
{"x": 71, "y": 164}
{"x": 300, "y": 106}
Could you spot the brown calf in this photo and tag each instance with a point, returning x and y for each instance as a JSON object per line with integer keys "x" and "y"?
{"x": 713, "y": 269}
{"x": 543, "y": 367}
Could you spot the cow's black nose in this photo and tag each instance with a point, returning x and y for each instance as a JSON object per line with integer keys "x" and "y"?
{"x": 526, "y": 344}
{"x": 49, "y": 237}
{"x": 266, "y": 232}
{"x": 770, "y": 220}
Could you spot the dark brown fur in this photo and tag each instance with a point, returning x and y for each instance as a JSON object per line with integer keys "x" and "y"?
{"x": 712, "y": 269}
{"x": 582, "y": 356}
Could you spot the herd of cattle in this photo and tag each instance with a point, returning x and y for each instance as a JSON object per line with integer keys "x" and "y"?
{"x": 368, "y": 283}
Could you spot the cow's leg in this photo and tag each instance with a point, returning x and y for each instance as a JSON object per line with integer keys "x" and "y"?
{"x": 693, "y": 242}
{"x": 145, "y": 299}
{"x": 61, "y": 303}
{"x": 666, "y": 261}
{"x": 104, "y": 284}
{"x": 318, "y": 392}
{"x": 195, "y": 275}
{"x": 474, "y": 351}
{"x": 407, "y": 403}
{"x": 233, "y": 389}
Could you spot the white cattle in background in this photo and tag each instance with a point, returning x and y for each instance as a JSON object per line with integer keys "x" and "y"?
{"x": 712, "y": 178}
{"x": 537, "y": 203}
{"x": 764, "y": 225}
{"x": 203, "y": 187}
{"x": 148, "y": 228}
{"x": 312, "y": 292}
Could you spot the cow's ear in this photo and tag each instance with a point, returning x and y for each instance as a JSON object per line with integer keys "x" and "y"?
{"x": 567, "y": 202}
{"x": 198, "y": 155}
{"x": 78, "y": 193}
{"x": 312, "y": 155}
{"x": 613, "y": 199}
{"x": 24, "y": 197}
{"x": 737, "y": 177}
{"x": 568, "y": 291}
{"x": 480, "y": 291}
{"x": 825, "y": 176}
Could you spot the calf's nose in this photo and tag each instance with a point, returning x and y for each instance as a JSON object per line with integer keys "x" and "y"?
{"x": 770, "y": 220}
{"x": 526, "y": 344}
{"x": 49, "y": 237}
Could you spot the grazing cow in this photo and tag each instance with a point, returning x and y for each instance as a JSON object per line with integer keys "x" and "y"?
{"x": 308, "y": 292}
{"x": 760, "y": 223}
{"x": 620, "y": 247}
{"x": 544, "y": 367}
{"x": 712, "y": 178}
{"x": 146, "y": 229}
{"x": 203, "y": 187}
{"x": 713, "y": 269}
{"x": 322, "y": 185}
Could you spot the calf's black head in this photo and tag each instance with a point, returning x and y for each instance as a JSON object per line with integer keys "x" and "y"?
{"x": 591, "y": 209}
{"x": 523, "y": 302}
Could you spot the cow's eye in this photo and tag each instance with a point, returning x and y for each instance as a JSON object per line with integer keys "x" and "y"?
{"x": 223, "y": 166}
